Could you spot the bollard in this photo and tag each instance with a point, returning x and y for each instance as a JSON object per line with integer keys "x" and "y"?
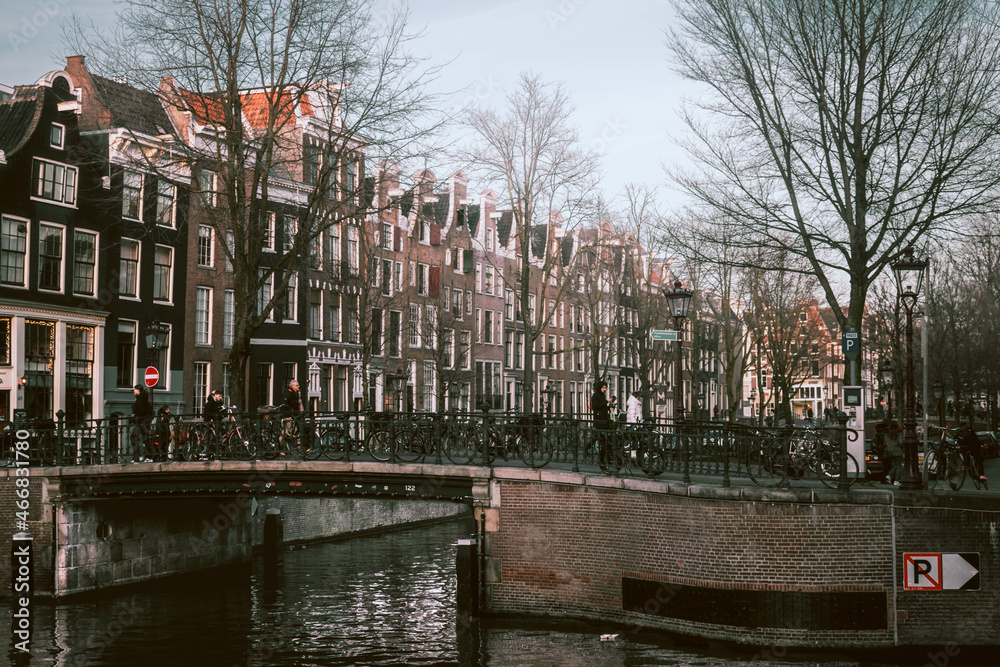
{"x": 22, "y": 584}
{"x": 273, "y": 537}
{"x": 467, "y": 571}
{"x": 843, "y": 484}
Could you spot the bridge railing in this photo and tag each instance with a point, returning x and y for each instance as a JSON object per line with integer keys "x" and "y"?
{"x": 716, "y": 449}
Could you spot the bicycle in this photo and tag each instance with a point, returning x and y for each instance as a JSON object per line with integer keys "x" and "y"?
{"x": 806, "y": 452}
{"x": 952, "y": 460}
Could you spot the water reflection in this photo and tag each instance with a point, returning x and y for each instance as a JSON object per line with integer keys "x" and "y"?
{"x": 380, "y": 600}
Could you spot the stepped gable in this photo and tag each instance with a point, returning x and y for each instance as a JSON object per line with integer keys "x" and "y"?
{"x": 538, "y": 235}
{"x": 19, "y": 118}
{"x": 406, "y": 203}
{"x": 133, "y": 109}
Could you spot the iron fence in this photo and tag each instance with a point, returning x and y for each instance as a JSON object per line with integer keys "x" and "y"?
{"x": 718, "y": 450}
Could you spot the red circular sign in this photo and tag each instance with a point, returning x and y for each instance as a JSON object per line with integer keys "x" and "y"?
{"x": 152, "y": 376}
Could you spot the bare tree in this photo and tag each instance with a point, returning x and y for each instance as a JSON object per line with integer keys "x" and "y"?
{"x": 848, "y": 130}
{"x": 532, "y": 154}
{"x": 278, "y": 101}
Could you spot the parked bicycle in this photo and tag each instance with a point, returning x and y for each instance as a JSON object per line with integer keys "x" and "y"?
{"x": 952, "y": 458}
{"x": 774, "y": 458}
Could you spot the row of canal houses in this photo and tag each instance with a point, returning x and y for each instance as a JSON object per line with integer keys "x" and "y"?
{"x": 408, "y": 307}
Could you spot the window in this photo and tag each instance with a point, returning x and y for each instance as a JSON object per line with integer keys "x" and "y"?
{"x": 425, "y": 232}
{"x": 465, "y": 349}
{"x": 131, "y": 195}
{"x": 333, "y": 329}
{"x": 56, "y": 182}
{"x": 264, "y": 384}
{"x": 265, "y": 291}
{"x": 456, "y": 304}
{"x": 399, "y": 276}
{"x": 386, "y": 277}
{"x": 353, "y": 328}
{"x": 289, "y": 229}
{"x": 395, "y": 332}
{"x": 13, "y": 247}
{"x": 488, "y": 383}
{"x": 163, "y": 261}
{"x": 386, "y": 237}
{"x": 231, "y": 245}
{"x": 479, "y": 277}
{"x": 508, "y": 304}
{"x": 267, "y": 233}
{"x": 84, "y": 262}
{"x": 206, "y": 245}
{"x": 468, "y": 302}
{"x": 4, "y": 342}
{"x": 316, "y": 314}
{"x": 413, "y": 273}
{"x": 519, "y": 349}
{"x": 39, "y": 362}
{"x": 414, "y": 325}
{"x": 430, "y": 386}
{"x": 57, "y": 135}
{"x": 423, "y": 279}
{"x": 202, "y": 376}
{"x": 430, "y": 326}
{"x": 488, "y": 327}
{"x": 508, "y": 348}
{"x": 225, "y": 383}
{"x": 488, "y": 286}
{"x": 352, "y": 249}
{"x": 292, "y": 299}
{"x": 203, "y": 316}
{"x": 448, "y": 340}
{"x": 208, "y": 184}
{"x": 531, "y": 309}
{"x": 126, "y": 354}
{"x": 316, "y": 252}
{"x": 228, "y": 317}
{"x": 376, "y": 332}
{"x": 79, "y": 373}
{"x": 50, "y": 257}
{"x": 310, "y": 162}
{"x": 164, "y": 203}
{"x": 350, "y": 174}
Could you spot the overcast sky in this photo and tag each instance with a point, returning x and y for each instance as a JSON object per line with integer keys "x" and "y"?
{"x": 610, "y": 56}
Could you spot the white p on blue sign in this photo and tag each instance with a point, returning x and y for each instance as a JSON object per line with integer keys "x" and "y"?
{"x": 850, "y": 341}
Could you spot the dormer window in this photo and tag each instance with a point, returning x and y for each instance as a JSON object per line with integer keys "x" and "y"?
{"x": 57, "y": 136}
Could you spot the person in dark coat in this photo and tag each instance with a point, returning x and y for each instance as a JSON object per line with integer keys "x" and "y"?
{"x": 142, "y": 418}
{"x": 292, "y": 405}
{"x": 163, "y": 437}
{"x": 213, "y": 406}
{"x": 601, "y": 408}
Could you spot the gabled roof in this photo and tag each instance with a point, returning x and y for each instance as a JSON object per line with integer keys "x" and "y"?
{"x": 406, "y": 203}
{"x": 19, "y": 118}
{"x": 539, "y": 235}
{"x": 133, "y": 109}
{"x": 567, "y": 250}
{"x": 504, "y": 224}
{"x": 437, "y": 210}
{"x": 472, "y": 219}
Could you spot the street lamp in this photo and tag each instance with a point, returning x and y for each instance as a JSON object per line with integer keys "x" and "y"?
{"x": 909, "y": 277}
{"x": 938, "y": 390}
{"x": 156, "y": 339}
{"x": 753, "y": 404}
{"x": 885, "y": 373}
{"x": 679, "y": 300}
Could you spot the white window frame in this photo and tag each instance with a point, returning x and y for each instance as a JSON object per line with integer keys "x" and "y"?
{"x": 62, "y": 136}
{"x": 68, "y": 194}
{"x": 228, "y": 317}
{"x": 170, "y": 275}
{"x": 291, "y": 313}
{"x": 62, "y": 258}
{"x": 168, "y": 217}
{"x": 268, "y": 242}
{"x": 202, "y": 383}
{"x": 17, "y": 222}
{"x": 138, "y": 194}
{"x": 203, "y": 315}
{"x": 210, "y": 246}
{"x": 96, "y": 240}
{"x": 138, "y": 267}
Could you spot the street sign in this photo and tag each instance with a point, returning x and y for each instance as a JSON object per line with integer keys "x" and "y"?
{"x": 152, "y": 376}
{"x": 940, "y": 572}
{"x": 663, "y": 334}
{"x": 850, "y": 340}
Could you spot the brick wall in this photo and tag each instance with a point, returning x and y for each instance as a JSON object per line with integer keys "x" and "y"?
{"x": 771, "y": 567}
{"x": 39, "y": 525}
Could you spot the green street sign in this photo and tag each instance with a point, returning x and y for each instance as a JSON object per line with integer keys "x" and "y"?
{"x": 663, "y": 334}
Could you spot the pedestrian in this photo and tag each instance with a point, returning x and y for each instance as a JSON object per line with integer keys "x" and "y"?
{"x": 601, "y": 408}
{"x": 633, "y": 408}
{"x": 292, "y": 404}
{"x": 969, "y": 442}
{"x": 893, "y": 452}
{"x": 809, "y": 414}
{"x": 213, "y": 406}
{"x": 142, "y": 419}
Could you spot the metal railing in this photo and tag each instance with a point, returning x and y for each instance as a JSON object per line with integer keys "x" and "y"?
{"x": 719, "y": 450}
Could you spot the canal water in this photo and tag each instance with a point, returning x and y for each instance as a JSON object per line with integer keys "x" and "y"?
{"x": 387, "y": 599}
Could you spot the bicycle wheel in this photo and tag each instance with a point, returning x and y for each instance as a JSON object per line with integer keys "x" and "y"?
{"x": 536, "y": 449}
{"x": 956, "y": 470}
{"x": 332, "y": 442}
{"x": 379, "y": 445}
{"x": 828, "y": 469}
{"x": 976, "y": 472}
{"x": 933, "y": 469}
{"x": 410, "y": 442}
{"x": 765, "y": 467}
{"x": 649, "y": 456}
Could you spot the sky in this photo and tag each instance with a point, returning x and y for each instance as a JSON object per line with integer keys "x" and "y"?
{"x": 610, "y": 56}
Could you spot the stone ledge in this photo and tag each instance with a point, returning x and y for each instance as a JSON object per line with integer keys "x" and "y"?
{"x": 560, "y": 477}
{"x": 527, "y": 474}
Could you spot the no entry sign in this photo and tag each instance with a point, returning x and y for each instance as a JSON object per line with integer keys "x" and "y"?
{"x": 152, "y": 376}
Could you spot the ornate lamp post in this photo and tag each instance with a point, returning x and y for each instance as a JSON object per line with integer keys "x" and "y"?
{"x": 909, "y": 277}
{"x": 753, "y": 404}
{"x": 156, "y": 339}
{"x": 885, "y": 373}
{"x": 679, "y": 300}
